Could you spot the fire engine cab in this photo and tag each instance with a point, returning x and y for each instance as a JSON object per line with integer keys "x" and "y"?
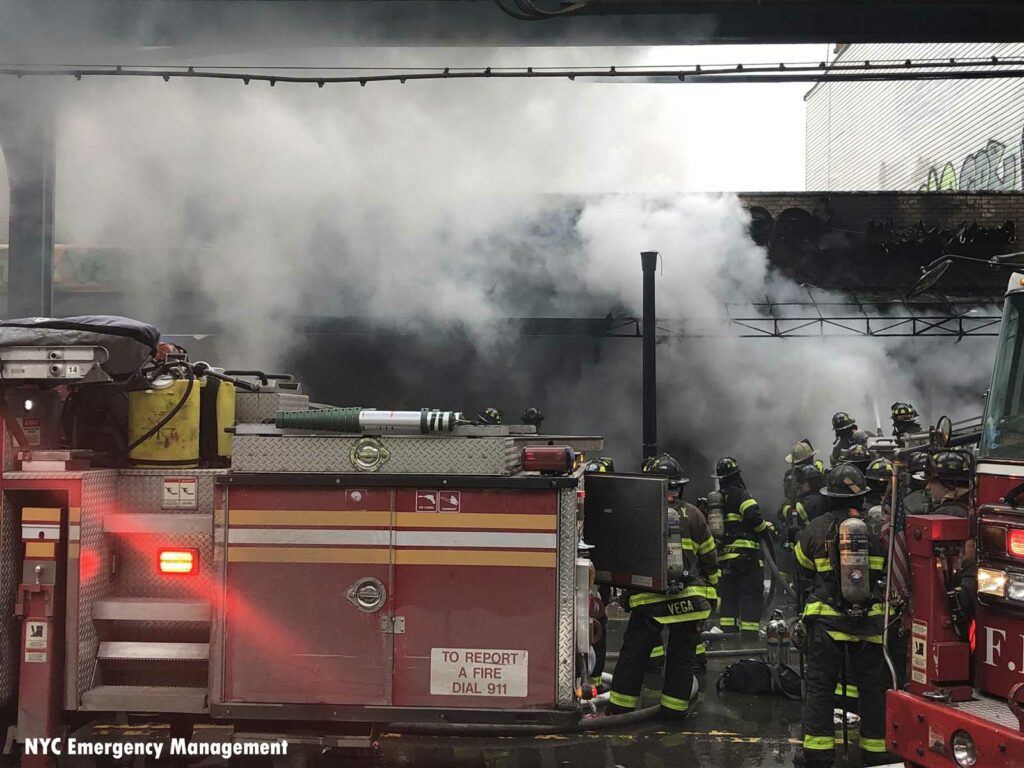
{"x": 965, "y": 701}
{"x": 212, "y": 548}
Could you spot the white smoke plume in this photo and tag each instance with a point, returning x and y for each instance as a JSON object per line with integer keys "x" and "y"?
{"x": 429, "y": 205}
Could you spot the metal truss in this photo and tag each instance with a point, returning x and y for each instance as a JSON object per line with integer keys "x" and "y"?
{"x": 950, "y": 318}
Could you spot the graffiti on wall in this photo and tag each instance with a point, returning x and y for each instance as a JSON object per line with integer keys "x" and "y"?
{"x": 994, "y": 167}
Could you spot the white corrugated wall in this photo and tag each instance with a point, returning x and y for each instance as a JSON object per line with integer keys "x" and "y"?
{"x": 916, "y": 135}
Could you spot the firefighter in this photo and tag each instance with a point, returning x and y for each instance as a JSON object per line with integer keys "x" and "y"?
{"x": 742, "y": 589}
{"x": 844, "y": 426}
{"x": 683, "y": 612}
{"x": 948, "y": 485}
{"x": 843, "y": 615}
{"x": 878, "y": 476}
{"x": 809, "y": 502}
{"x": 904, "y": 420}
{"x": 600, "y": 464}
{"x": 918, "y": 501}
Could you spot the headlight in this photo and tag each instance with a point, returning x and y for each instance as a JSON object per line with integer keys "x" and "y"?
{"x": 1015, "y": 587}
{"x": 991, "y": 582}
{"x": 963, "y": 749}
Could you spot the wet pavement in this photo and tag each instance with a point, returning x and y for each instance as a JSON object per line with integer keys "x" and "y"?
{"x": 728, "y": 729}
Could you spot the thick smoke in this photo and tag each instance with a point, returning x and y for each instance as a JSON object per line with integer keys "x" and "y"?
{"x": 433, "y": 211}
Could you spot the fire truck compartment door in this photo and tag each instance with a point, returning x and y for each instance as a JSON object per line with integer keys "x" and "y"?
{"x": 625, "y": 522}
{"x": 309, "y": 596}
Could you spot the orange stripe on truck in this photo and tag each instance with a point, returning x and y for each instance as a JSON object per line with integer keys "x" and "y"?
{"x": 381, "y": 556}
{"x": 329, "y": 518}
{"x": 40, "y": 515}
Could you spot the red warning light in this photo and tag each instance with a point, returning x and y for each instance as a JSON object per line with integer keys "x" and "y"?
{"x": 1015, "y": 542}
{"x": 548, "y": 460}
{"x": 179, "y": 562}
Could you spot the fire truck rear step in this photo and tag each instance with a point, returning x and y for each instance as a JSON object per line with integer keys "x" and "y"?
{"x": 150, "y": 651}
{"x": 144, "y": 698}
{"x": 151, "y": 609}
{"x": 989, "y": 708}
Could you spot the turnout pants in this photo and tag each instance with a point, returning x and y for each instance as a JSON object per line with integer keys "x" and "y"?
{"x": 741, "y": 595}
{"x": 867, "y": 670}
{"x": 643, "y": 634}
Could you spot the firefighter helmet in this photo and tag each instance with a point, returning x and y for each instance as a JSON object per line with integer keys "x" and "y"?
{"x": 856, "y": 454}
{"x": 727, "y": 466}
{"x": 845, "y": 481}
{"x": 491, "y": 416}
{"x": 949, "y": 466}
{"x": 903, "y": 412}
{"x": 859, "y": 436}
{"x": 808, "y": 473}
{"x": 842, "y": 421}
{"x": 533, "y": 417}
{"x": 801, "y": 452}
{"x": 879, "y": 469}
{"x": 600, "y": 464}
{"x": 666, "y": 466}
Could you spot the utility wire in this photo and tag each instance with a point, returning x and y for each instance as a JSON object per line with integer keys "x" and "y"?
{"x": 952, "y": 69}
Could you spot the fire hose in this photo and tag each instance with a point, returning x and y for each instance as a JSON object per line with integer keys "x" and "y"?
{"x": 606, "y": 723}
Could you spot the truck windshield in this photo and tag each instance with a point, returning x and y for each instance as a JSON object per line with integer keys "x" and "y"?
{"x": 1003, "y": 437}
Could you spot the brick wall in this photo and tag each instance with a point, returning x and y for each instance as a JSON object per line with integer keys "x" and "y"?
{"x": 854, "y": 209}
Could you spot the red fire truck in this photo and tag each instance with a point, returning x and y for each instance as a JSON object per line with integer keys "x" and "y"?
{"x": 213, "y": 550}
{"x": 963, "y": 706}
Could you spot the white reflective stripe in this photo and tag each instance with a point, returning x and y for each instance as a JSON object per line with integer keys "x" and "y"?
{"x": 37, "y": 532}
{"x": 307, "y": 536}
{"x": 74, "y": 532}
{"x": 1001, "y": 470}
{"x": 445, "y": 539}
{"x": 641, "y": 581}
{"x": 476, "y": 539}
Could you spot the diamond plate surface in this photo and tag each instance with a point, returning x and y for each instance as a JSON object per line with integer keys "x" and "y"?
{"x": 142, "y": 490}
{"x": 9, "y": 576}
{"x": 10, "y": 452}
{"x": 993, "y": 710}
{"x": 567, "y": 546}
{"x": 433, "y": 455}
{"x": 259, "y": 407}
{"x": 99, "y": 496}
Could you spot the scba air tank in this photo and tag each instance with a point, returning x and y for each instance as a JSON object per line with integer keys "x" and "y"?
{"x": 716, "y": 514}
{"x": 854, "y": 561}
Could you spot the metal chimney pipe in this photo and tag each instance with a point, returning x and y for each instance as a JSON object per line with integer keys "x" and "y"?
{"x": 649, "y": 262}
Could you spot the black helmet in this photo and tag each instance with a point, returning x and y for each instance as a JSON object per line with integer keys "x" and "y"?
{"x": 880, "y": 470}
{"x": 842, "y": 421}
{"x": 949, "y": 466}
{"x": 903, "y": 412}
{"x": 845, "y": 482}
{"x": 808, "y": 473}
{"x": 727, "y": 466}
{"x": 860, "y": 436}
{"x": 491, "y": 416}
{"x": 600, "y": 464}
{"x": 533, "y": 417}
{"x": 666, "y": 466}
